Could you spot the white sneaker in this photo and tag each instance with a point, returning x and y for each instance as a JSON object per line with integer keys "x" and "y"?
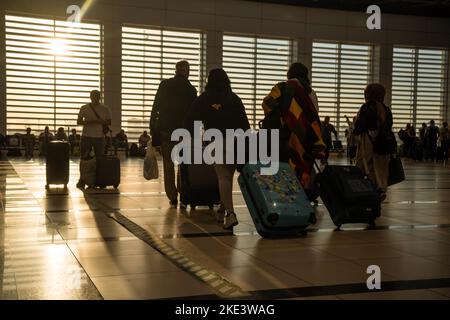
{"x": 230, "y": 221}
{"x": 220, "y": 214}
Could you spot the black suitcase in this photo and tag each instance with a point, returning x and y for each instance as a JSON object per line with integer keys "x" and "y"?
{"x": 198, "y": 185}
{"x": 107, "y": 171}
{"x": 349, "y": 195}
{"x": 57, "y": 163}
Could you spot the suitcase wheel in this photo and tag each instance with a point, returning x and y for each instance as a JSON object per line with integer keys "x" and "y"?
{"x": 65, "y": 187}
{"x": 338, "y": 227}
{"x": 116, "y": 186}
{"x": 211, "y": 207}
{"x": 193, "y": 206}
{"x": 46, "y": 186}
{"x": 372, "y": 224}
{"x": 102, "y": 186}
{"x": 303, "y": 232}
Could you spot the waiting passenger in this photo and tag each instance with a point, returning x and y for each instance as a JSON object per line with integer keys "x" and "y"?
{"x": 376, "y": 140}
{"x": 444, "y": 136}
{"x": 327, "y": 129}
{"x": 74, "y": 140}
{"x": 94, "y": 117}
{"x": 172, "y": 101}
{"x": 409, "y": 138}
{"x": 290, "y": 100}
{"x": 219, "y": 108}
{"x": 121, "y": 141}
{"x": 422, "y": 132}
{"x": 144, "y": 139}
{"x": 29, "y": 140}
{"x": 431, "y": 137}
{"x": 61, "y": 135}
{"x": 44, "y": 138}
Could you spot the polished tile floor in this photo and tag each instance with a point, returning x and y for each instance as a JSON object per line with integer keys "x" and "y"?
{"x": 128, "y": 244}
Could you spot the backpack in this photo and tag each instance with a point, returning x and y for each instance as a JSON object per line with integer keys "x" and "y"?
{"x": 384, "y": 142}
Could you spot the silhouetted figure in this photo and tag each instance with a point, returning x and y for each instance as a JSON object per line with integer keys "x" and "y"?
{"x": 172, "y": 100}
{"x": 93, "y": 117}
{"x": 28, "y": 141}
{"x": 444, "y": 136}
{"x": 44, "y": 138}
{"x": 74, "y": 140}
{"x": 121, "y": 141}
{"x": 61, "y": 134}
{"x": 431, "y": 137}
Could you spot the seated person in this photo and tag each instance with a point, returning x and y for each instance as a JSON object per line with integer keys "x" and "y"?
{"x": 144, "y": 139}
{"x": 44, "y": 138}
{"x": 121, "y": 141}
{"x": 28, "y": 141}
{"x": 61, "y": 135}
{"x": 74, "y": 140}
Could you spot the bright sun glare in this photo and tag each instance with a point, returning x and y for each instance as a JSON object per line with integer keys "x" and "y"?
{"x": 58, "y": 46}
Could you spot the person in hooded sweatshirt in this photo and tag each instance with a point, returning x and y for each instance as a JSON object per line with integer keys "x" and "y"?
{"x": 218, "y": 107}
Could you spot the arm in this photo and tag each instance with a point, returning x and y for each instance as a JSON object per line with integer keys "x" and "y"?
{"x": 272, "y": 100}
{"x": 159, "y": 98}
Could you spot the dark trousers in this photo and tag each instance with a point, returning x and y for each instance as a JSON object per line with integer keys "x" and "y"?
{"x": 89, "y": 143}
{"x": 445, "y": 144}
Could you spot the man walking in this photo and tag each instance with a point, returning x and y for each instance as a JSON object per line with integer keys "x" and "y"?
{"x": 172, "y": 100}
{"x": 95, "y": 118}
{"x": 327, "y": 130}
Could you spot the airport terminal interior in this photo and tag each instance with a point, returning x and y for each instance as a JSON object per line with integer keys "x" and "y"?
{"x": 128, "y": 242}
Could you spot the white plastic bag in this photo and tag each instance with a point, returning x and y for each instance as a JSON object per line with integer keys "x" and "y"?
{"x": 150, "y": 164}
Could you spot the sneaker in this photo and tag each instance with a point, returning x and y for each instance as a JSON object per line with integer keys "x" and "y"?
{"x": 220, "y": 214}
{"x": 230, "y": 221}
{"x": 173, "y": 204}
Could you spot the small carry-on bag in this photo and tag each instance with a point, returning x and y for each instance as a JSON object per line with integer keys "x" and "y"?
{"x": 349, "y": 195}
{"x": 277, "y": 203}
{"x": 107, "y": 171}
{"x": 396, "y": 172}
{"x": 198, "y": 185}
{"x": 57, "y": 163}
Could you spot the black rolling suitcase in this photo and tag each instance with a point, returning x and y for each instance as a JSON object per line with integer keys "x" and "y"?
{"x": 107, "y": 171}
{"x": 198, "y": 185}
{"x": 349, "y": 195}
{"x": 57, "y": 163}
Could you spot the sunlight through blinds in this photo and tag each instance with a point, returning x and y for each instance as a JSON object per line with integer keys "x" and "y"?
{"x": 51, "y": 66}
{"x": 149, "y": 55}
{"x": 255, "y": 65}
{"x": 340, "y": 72}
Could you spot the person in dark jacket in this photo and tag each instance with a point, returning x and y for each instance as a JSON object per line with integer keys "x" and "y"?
{"x": 371, "y": 116}
{"x": 431, "y": 137}
{"x": 172, "y": 100}
{"x": 219, "y": 108}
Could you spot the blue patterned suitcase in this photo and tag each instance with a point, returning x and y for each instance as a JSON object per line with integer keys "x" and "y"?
{"x": 277, "y": 203}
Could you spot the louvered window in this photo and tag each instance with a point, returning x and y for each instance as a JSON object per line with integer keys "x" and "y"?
{"x": 340, "y": 73}
{"x": 255, "y": 65}
{"x": 418, "y": 85}
{"x": 51, "y": 66}
{"x": 149, "y": 55}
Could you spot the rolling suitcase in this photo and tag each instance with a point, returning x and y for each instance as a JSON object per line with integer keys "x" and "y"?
{"x": 57, "y": 163}
{"x": 107, "y": 171}
{"x": 198, "y": 185}
{"x": 349, "y": 195}
{"x": 277, "y": 203}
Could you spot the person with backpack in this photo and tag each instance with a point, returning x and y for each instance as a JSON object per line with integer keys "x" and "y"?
{"x": 431, "y": 138}
{"x": 376, "y": 140}
{"x": 294, "y": 113}
{"x": 220, "y": 108}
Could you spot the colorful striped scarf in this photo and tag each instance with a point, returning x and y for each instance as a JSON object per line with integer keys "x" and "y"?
{"x": 299, "y": 115}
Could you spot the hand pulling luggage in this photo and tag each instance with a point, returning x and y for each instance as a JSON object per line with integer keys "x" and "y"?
{"x": 198, "y": 185}
{"x": 57, "y": 163}
{"x": 349, "y": 195}
{"x": 107, "y": 171}
{"x": 277, "y": 203}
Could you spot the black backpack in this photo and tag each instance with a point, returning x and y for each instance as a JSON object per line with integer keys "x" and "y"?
{"x": 385, "y": 142}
